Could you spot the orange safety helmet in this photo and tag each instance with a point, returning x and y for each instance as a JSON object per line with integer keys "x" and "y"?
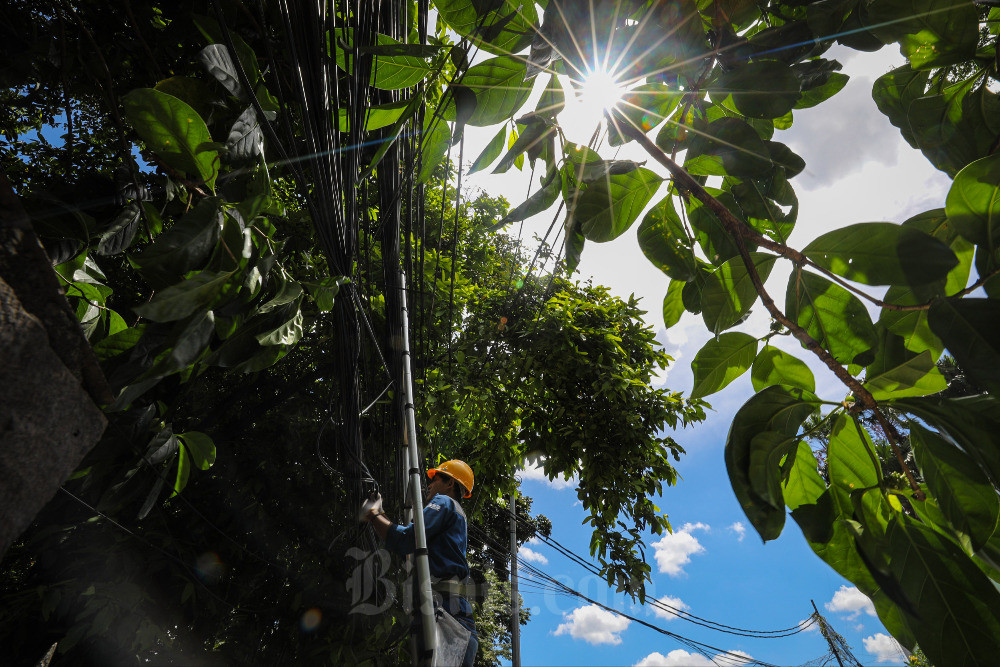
{"x": 457, "y": 470}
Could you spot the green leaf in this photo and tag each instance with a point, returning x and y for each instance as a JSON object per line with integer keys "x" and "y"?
{"x": 491, "y": 152}
{"x": 395, "y": 66}
{"x": 710, "y": 233}
{"x": 722, "y": 360}
{"x": 969, "y": 328}
{"x": 822, "y": 93}
{"x": 119, "y": 342}
{"x": 973, "y": 422}
{"x": 929, "y": 34}
{"x": 181, "y": 300}
{"x": 831, "y": 315}
{"x": 188, "y": 341}
{"x": 665, "y": 243}
{"x": 958, "y": 605}
{"x": 174, "y": 131}
{"x": 729, "y": 293}
{"x": 775, "y": 409}
{"x": 200, "y": 447}
{"x": 973, "y": 203}
{"x": 288, "y": 333}
{"x": 882, "y": 253}
{"x": 375, "y": 117}
{"x": 894, "y": 92}
{"x": 184, "y": 246}
{"x": 531, "y": 139}
{"x": 324, "y": 292}
{"x": 608, "y": 207}
{"x": 737, "y": 144}
{"x": 501, "y": 27}
{"x": 915, "y": 377}
{"x": 760, "y": 89}
{"x": 183, "y": 471}
{"x": 118, "y": 237}
{"x": 912, "y": 325}
{"x": 851, "y": 456}
{"x": 775, "y": 367}
{"x": 553, "y": 99}
{"x": 434, "y": 146}
{"x": 965, "y": 495}
{"x": 673, "y": 304}
{"x": 956, "y": 126}
{"x": 500, "y": 90}
{"x": 541, "y": 200}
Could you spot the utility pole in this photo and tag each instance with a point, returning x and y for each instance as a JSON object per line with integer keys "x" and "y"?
{"x": 515, "y": 603}
{"x": 826, "y": 635}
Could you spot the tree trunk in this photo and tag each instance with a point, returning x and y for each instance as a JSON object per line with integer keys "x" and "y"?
{"x": 50, "y": 381}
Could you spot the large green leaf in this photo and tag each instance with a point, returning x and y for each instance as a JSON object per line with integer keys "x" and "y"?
{"x": 188, "y": 341}
{"x": 973, "y": 423}
{"x": 930, "y": 33}
{"x": 969, "y": 328}
{"x": 501, "y": 27}
{"x": 175, "y": 132}
{"x": 963, "y": 492}
{"x": 608, "y": 207}
{"x": 183, "y": 247}
{"x": 673, "y": 303}
{"x": 775, "y": 367}
{"x": 959, "y": 608}
{"x": 395, "y": 66}
{"x": 491, "y": 152}
{"x": 759, "y": 89}
{"x": 375, "y": 117}
{"x": 665, "y": 243}
{"x": 183, "y": 299}
{"x": 711, "y": 234}
{"x": 200, "y": 448}
{"x": 775, "y": 409}
{"x": 499, "y": 87}
{"x": 722, "y": 360}
{"x": 956, "y": 126}
{"x": 736, "y": 143}
{"x": 973, "y": 203}
{"x": 831, "y": 315}
{"x": 894, "y": 92}
{"x": 729, "y": 292}
{"x": 882, "y": 253}
{"x": 851, "y": 456}
{"x": 918, "y": 376}
{"x": 539, "y": 201}
{"x": 912, "y": 325}
{"x": 434, "y": 146}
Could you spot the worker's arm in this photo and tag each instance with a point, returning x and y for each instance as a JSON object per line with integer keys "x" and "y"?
{"x": 380, "y": 523}
{"x": 400, "y": 539}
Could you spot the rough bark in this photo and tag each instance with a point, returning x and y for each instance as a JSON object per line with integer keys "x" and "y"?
{"x": 50, "y": 381}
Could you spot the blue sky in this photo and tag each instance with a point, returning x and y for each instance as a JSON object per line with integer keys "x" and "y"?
{"x": 858, "y": 170}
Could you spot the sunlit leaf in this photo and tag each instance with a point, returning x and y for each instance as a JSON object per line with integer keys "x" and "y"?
{"x": 720, "y": 361}
{"x": 831, "y": 315}
{"x": 775, "y": 367}
{"x": 609, "y": 207}
{"x": 729, "y": 292}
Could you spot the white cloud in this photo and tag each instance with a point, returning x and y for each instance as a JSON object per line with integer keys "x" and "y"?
{"x": 674, "y": 550}
{"x": 849, "y": 600}
{"x": 593, "y": 625}
{"x": 681, "y": 658}
{"x": 676, "y": 603}
{"x": 883, "y": 647}
{"x": 532, "y": 556}
{"x": 533, "y": 471}
{"x": 809, "y": 625}
{"x": 739, "y": 529}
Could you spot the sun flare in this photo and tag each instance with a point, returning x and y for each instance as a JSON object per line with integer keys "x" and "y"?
{"x": 600, "y": 91}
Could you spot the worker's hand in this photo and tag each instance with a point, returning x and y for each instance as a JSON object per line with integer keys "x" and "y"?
{"x": 371, "y": 508}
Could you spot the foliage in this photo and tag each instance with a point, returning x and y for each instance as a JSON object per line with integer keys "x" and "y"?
{"x": 728, "y": 77}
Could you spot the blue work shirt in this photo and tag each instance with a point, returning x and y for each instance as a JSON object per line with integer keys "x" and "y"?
{"x": 447, "y": 542}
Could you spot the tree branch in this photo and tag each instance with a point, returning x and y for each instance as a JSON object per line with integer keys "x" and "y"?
{"x": 741, "y": 232}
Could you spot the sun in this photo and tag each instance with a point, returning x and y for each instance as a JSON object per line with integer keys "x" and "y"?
{"x": 600, "y": 90}
{"x": 597, "y": 91}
